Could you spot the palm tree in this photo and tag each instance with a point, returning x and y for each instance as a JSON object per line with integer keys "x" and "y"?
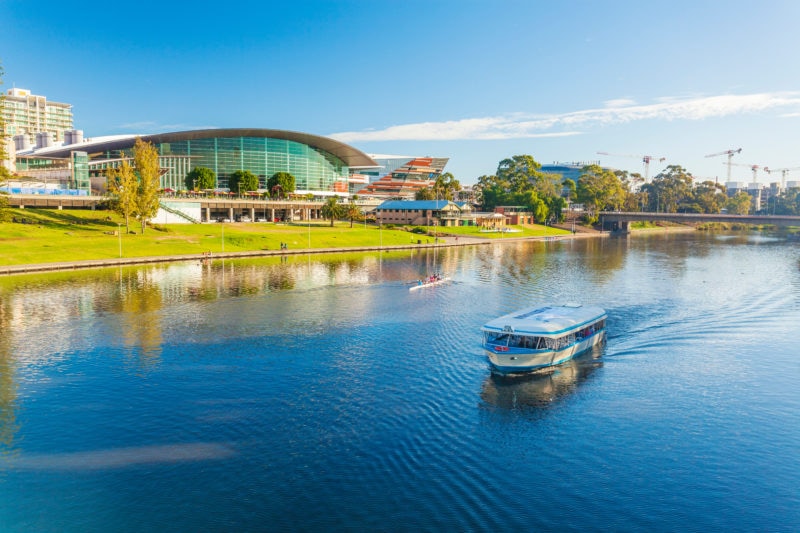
{"x": 353, "y": 211}
{"x": 332, "y": 209}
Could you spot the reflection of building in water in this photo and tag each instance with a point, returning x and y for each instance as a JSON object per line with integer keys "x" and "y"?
{"x": 541, "y": 389}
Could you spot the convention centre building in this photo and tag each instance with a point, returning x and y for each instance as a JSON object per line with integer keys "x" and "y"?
{"x": 320, "y": 165}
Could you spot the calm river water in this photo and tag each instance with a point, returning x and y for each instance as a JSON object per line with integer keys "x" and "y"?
{"x": 319, "y": 394}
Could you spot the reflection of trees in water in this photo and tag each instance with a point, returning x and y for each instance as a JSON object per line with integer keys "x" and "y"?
{"x": 140, "y": 300}
{"x": 542, "y": 389}
{"x": 524, "y": 261}
{"x": 8, "y": 384}
{"x": 520, "y": 260}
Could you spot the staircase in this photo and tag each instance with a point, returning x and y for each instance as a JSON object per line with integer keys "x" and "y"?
{"x": 178, "y": 213}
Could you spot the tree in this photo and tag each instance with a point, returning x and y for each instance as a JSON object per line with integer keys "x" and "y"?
{"x": 3, "y": 205}
{"x": 522, "y": 172}
{"x": 445, "y": 187}
{"x": 787, "y": 203}
{"x": 145, "y": 158}
{"x": 200, "y": 178}
{"x": 739, "y": 204}
{"x": 491, "y": 191}
{"x": 352, "y": 211}
{"x": 670, "y": 189}
{"x": 332, "y": 209}
{"x": 123, "y": 187}
{"x": 425, "y": 194}
{"x": 600, "y": 189}
{"x": 710, "y": 196}
{"x": 280, "y": 184}
{"x": 243, "y": 180}
{"x": 571, "y": 188}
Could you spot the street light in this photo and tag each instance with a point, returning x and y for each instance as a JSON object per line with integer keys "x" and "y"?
{"x": 119, "y": 238}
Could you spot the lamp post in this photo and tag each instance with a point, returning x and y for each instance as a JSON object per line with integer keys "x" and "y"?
{"x": 119, "y": 238}
{"x": 223, "y": 237}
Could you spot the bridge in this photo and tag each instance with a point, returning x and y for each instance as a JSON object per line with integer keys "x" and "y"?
{"x": 619, "y": 221}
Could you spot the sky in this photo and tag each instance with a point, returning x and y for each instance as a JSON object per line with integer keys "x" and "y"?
{"x": 472, "y": 80}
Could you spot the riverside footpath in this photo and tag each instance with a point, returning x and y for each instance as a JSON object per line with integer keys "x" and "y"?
{"x": 444, "y": 241}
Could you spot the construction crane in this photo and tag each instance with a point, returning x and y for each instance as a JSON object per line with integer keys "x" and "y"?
{"x": 730, "y": 154}
{"x": 754, "y": 168}
{"x": 783, "y": 172}
{"x": 645, "y": 159}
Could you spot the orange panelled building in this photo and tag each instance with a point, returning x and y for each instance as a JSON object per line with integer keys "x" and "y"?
{"x": 402, "y": 176}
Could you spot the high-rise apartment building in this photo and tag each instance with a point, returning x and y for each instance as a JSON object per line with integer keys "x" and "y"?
{"x": 29, "y": 114}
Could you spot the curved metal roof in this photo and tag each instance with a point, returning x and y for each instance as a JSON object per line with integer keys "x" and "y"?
{"x": 352, "y": 157}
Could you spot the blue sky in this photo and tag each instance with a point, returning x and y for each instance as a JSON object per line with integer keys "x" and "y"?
{"x": 475, "y": 81}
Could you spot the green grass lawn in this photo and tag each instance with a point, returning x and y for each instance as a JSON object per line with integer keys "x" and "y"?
{"x": 49, "y": 235}
{"x": 533, "y": 230}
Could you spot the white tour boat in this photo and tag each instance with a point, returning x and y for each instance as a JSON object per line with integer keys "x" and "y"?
{"x": 538, "y": 337}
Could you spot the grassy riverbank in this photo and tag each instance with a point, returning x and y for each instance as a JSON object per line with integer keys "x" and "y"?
{"x": 34, "y": 236}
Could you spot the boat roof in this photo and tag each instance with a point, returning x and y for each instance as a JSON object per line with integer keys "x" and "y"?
{"x": 551, "y": 319}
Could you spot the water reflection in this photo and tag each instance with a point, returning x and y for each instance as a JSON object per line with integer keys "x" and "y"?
{"x": 540, "y": 390}
{"x": 139, "y": 304}
{"x": 8, "y": 384}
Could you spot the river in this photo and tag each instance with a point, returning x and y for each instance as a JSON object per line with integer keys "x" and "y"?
{"x": 312, "y": 393}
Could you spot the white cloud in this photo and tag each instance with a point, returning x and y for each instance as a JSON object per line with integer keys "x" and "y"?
{"x": 619, "y": 102}
{"x": 619, "y": 111}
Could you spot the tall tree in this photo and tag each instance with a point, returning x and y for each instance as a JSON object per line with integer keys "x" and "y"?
{"x": 669, "y": 189}
{"x": 739, "y": 204}
{"x": 243, "y": 181}
{"x": 123, "y": 187}
{"x": 600, "y": 189}
{"x": 491, "y": 190}
{"x": 200, "y": 178}
{"x": 280, "y": 184}
{"x": 145, "y": 158}
{"x": 332, "y": 209}
{"x": 446, "y": 186}
{"x": 352, "y": 211}
{"x": 523, "y": 172}
{"x": 710, "y": 196}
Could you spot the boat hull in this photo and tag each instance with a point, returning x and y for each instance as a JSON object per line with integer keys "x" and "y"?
{"x": 520, "y": 361}
{"x": 425, "y": 285}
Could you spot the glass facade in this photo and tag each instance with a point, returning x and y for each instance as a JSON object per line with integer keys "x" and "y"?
{"x": 80, "y": 171}
{"x": 314, "y": 170}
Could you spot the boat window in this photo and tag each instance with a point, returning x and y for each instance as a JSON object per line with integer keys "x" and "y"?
{"x": 497, "y": 338}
